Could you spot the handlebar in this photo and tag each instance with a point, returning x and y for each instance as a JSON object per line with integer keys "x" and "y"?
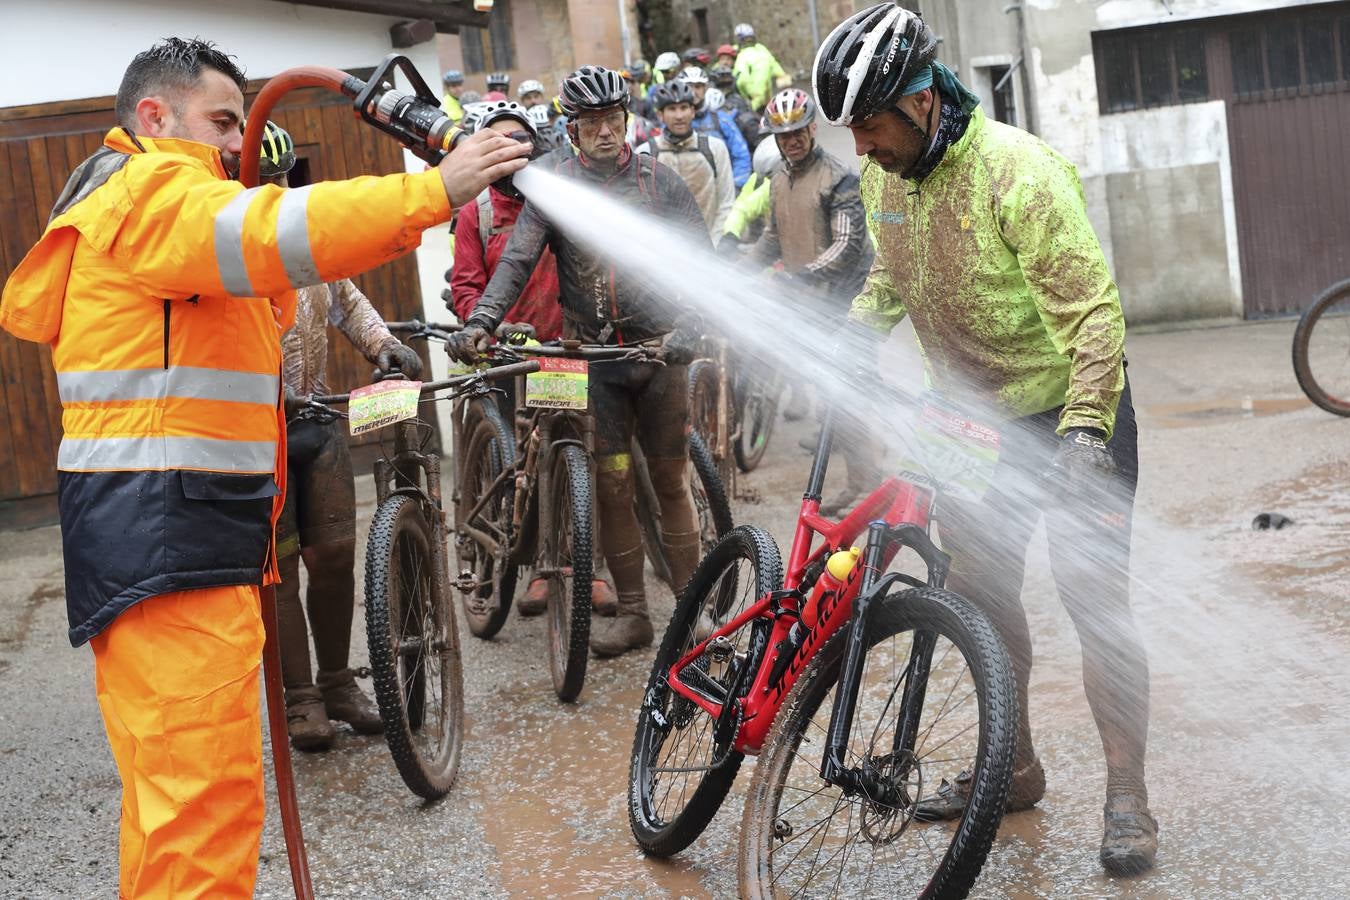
{"x": 430, "y": 387}
{"x": 574, "y": 350}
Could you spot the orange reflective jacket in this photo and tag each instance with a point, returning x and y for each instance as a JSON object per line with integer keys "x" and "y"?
{"x": 146, "y": 284}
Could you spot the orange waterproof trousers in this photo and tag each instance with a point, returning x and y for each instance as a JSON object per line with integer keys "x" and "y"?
{"x": 177, "y": 679}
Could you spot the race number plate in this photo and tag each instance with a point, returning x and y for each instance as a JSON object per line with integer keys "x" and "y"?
{"x": 377, "y": 405}
{"x": 958, "y": 452}
{"x": 559, "y": 384}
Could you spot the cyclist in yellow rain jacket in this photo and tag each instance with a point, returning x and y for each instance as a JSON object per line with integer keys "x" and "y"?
{"x": 150, "y": 286}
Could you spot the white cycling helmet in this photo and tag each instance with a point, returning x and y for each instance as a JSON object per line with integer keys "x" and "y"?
{"x": 694, "y": 75}
{"x": 767, "y": 160}
{"x": 530, "y": 87}
{"x": 538, "y": 115}
{"x": 667, "y": 61}
{"x": 714, "y": 99}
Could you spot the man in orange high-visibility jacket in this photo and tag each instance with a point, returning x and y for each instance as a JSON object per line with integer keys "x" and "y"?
{"x": 147, "y": 285}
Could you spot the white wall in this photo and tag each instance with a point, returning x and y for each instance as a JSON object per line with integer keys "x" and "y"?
{"x": 70, "y": 49}
{"x": 1171, "y": 137}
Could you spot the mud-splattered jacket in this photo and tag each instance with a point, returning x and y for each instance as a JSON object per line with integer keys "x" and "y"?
{"x": 815, "y": 226}
{"x": 993, "y": 258}
{"x": 304, "y": 347}
{"x": 599, "y": 304}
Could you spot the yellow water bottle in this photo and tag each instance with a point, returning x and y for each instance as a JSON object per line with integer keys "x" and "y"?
{"x": 838, "y": 568}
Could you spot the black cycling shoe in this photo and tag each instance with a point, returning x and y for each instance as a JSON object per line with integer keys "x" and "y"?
{"x": 1130, "y": 839}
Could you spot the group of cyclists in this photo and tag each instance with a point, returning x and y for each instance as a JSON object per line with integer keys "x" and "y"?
{"x": 1018, "y": 306}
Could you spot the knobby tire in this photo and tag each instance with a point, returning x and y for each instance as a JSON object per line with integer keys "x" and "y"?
{"x": 667, "y": 832}
{"x": 919, "y": 610}
{"x": 567, "y": 547}
{"x": 402, "y": 607}
{"x": 1307, "y": 323}
{"x": 489, "y": 447}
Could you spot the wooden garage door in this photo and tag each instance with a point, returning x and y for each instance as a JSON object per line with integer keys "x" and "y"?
{"x": 1289, "y": 133}
{"x": 40, "y": 145}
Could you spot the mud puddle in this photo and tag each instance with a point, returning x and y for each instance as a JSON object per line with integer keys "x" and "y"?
{"x": 1183, "y": 415}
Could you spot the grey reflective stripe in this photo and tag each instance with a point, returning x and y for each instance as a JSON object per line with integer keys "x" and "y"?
{"x": 293, "y": 238}
{"x": 159, "y": 453}
{"x": 229, "y": 241}
{"x": 179, "y": 381}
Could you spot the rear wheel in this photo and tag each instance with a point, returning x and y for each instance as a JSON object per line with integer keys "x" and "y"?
{"x": 489, "y": 451}
{"x": 935, "y": 661}
{"x": 710, "y": 496}
{"x": 758, "y": 400}
{"x": 414, "y": 649}
{"x": 1322, "y": 350}
{"x": 704, "y": 400}
{"x": 682, "y": 763}
{"x": 566, "y": 561}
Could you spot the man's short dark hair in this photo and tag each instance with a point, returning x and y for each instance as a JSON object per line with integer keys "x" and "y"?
{"x": 170, "y": 67}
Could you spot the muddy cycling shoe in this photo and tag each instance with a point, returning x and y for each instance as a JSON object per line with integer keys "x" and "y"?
{"x": 626, "y": 631}
{"x": 307, "y": 721}
{"x": 535, "y": 599}
{"x": 346, "y": 702}
{"x": 952, "y": 798}
{"x": 1130, "y": 839}
{"x": 840, "y": 503}
{"x": 603, "y": 599}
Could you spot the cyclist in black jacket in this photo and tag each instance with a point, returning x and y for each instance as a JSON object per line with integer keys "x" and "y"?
{"x": 603, "y": 306}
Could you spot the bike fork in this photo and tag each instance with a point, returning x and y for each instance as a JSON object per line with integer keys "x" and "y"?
{"x": 834, "y": 768}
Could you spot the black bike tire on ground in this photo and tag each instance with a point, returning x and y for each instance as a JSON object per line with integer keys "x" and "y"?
{"x": 398, "y": 516}
{"x": 499, "y": 440}
{"x": 648, "y": 511}
{"x": 569, "y": 651}
{"x": 706, "y": 469}
{"x": 1303, "y": 336}
{"x": 749, "y": 458}
{"x": 668, "y": 838}
{"x": 702, "y": 381}
{"x": 956, "y": 619}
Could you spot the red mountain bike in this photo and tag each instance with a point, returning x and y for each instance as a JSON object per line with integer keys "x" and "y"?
{"x": 885, "y": 682}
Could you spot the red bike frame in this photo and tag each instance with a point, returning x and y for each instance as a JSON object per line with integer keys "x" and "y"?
{"x": 897, "y": 502}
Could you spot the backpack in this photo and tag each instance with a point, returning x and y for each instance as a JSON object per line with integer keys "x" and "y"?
{"x": 485, "y": 229}
{"x": 704, "y": 147}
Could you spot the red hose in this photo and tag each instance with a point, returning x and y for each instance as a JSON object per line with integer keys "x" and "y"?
{"x": 250, "y": 156}
{"x": 261, "y": 111}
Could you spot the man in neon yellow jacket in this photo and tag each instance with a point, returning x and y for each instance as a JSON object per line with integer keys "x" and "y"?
{"x": 983, "y": 240}
{"x": 758, "y": 73}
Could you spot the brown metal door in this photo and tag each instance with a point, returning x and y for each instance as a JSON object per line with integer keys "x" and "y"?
{"x": 1289, "y": 134}
{"x": 40, "y": 145}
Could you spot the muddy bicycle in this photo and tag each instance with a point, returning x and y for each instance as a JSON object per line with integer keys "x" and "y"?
{"x": 733, "y": 407}
{"x": 488, "y": 584}
{"x": 1322, "y": 350}
{"x": 410, "y": 616}
{"x": 858, "y": 689}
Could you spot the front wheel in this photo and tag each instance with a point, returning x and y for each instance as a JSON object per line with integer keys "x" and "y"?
{"x": 682, "y": 763}
{"x": 1322, "y": 350}
{"x": 414, "y": 648}
{"x": 935, "y": 662}
{"x": 566, "y": 560}
{"x": 758, "y": 412}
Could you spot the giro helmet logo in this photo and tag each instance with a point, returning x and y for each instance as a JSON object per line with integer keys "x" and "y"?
{"x": 890, "y": 54}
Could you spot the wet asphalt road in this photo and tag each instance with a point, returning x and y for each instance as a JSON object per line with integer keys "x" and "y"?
{"x": 1248, "y": 634}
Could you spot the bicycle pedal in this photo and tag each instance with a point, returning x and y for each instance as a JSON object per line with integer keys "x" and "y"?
{"x": 748, "y": 495}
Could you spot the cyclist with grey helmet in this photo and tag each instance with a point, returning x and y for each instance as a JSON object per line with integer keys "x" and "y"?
{"x": 983, "y": 240}
{"x": 600, "y": 305}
